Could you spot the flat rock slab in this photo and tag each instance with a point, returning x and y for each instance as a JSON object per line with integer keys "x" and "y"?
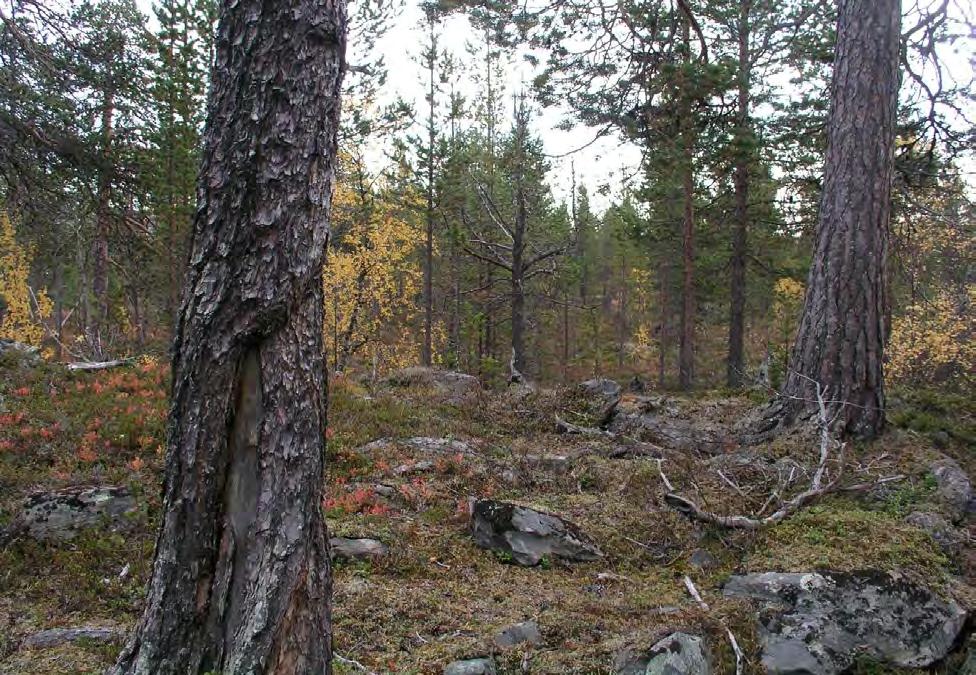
{"x": 819, "y": 623}
{"x": 526, "y": 632}
{"x": 528, "y": 535}
{"x": 454, "y": 385}
{"x": 344, "y": 548}
{"x": 677, "y": 654}
{"x": 55, "y": 637}
{"x": 471, "y": 667}
{"x": 60, "y": 515}
{"x": 428, "y": 444}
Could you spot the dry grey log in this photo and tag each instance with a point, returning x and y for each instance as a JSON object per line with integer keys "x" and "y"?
{"x": 99, "y": 365}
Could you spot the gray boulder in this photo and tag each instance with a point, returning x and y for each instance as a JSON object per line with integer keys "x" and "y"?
{"x": 600, "y": 388}
{"x": 455, "y": 386}
{"x": 471, "y": 667}
{"x": 952, "y": 487}
{"x": 344, "y": 548}
{"x": 60, "y": 515}
{"x": 526, "y": 632}
{"x": 677, "y": 654}
{"x": 528, "y": 535}
{"x": 55, "y": 637}
{"x": 25, "y": 353}
{"x": 818, "y": 624}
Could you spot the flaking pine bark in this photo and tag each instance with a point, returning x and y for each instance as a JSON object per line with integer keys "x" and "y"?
{"x": 241, "y": 577}
{"x": 842, "y": 334}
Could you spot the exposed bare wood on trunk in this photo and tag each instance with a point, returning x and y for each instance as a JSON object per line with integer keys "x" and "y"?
{"x": 241, "y": 578}
{"x": 844, "y": 327}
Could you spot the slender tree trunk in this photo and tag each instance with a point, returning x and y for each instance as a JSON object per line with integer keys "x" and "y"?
{"x": 844, "y": 327}
{"x": 426, "y": 355}
{"x": 736, "y": 360}
{"x": 518, "y": 278}
{"x": 59, "y": 309}
{"x": 100, "y": 259}
{"x": 686, "y": 352}
{"x": 664, "y": 278}
{"x": 241, "y": 579}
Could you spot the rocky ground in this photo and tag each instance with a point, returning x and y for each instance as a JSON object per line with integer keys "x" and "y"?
{"x": 520, "y": 531}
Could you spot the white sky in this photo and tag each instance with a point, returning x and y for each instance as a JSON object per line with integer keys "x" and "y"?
{"x": 607, "y": 162}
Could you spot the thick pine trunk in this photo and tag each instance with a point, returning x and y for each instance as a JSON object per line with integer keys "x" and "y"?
{"x": 737, "y": 263}
{"x": 241, "y": 579}
{"x": 840, "y": 343}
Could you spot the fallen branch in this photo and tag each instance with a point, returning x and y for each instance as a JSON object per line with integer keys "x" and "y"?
{"x": 564, "y": 427}
{"x": 352, "y": 664}
{"x": 816, "y": 490}
{"x": 99, "y": 365}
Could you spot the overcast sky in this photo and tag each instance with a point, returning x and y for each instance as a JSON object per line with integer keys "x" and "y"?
{"x": 607, "y": 163}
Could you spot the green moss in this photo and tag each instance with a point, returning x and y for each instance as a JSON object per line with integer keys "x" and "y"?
{"x": 841, "y": 535}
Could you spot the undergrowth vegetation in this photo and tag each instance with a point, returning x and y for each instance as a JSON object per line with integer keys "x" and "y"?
{"x": 437, "y": 597}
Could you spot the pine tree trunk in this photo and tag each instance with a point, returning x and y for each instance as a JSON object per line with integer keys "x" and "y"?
{"x": 736, "y": 361}
{"x": 100, "y": 259}
{"x": 426, "y": 352}
{"x": 686, "y": 350}
{"x": 842, "y": 334}
{"x": 241, "y": 579}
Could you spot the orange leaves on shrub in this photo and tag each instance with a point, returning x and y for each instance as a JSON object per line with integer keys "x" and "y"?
{"x": 361, "y": 500}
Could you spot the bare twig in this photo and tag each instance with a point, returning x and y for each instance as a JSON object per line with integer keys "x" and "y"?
{"x": 739, "y": 656}
{"x": 690, "y": 585}
{"x": 816, "y": 490}
{"x": 664, "y": 479}
{"x": 352, "y": 664}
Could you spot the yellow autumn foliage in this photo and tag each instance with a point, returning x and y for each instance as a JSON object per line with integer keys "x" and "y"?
{"x": 787, "y": 305}
{"x": 372, "y": 279}
{"x": 20, "y": 314}
{"x": 935, "y": 341}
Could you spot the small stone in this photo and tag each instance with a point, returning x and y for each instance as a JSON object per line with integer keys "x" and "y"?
{"x": 556, "y": 464}
{"x": 344, "y": 548}
{"x": 422, "y": 466}
{"x": 55, "y": 637}
{"x": 471, "y": 667}
{"x": 941, "y": 439}
{"x": 952, "y": 487}
{"x": 677, "y": 654}
{"x": 702, "y": 559}
{"x": 384, "y": 490}
{"x": 519, "y": 633}
{"x": 941, "y": 530}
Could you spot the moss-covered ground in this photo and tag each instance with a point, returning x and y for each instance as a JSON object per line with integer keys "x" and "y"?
{"x": 437, "y": 597}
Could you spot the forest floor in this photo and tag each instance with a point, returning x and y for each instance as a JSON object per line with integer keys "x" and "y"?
{"x": 436, "y": 597}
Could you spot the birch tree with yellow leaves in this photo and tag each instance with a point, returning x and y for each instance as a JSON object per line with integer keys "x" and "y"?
{"x": 21, "y": 309}
{"x": 372, "y": 277}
